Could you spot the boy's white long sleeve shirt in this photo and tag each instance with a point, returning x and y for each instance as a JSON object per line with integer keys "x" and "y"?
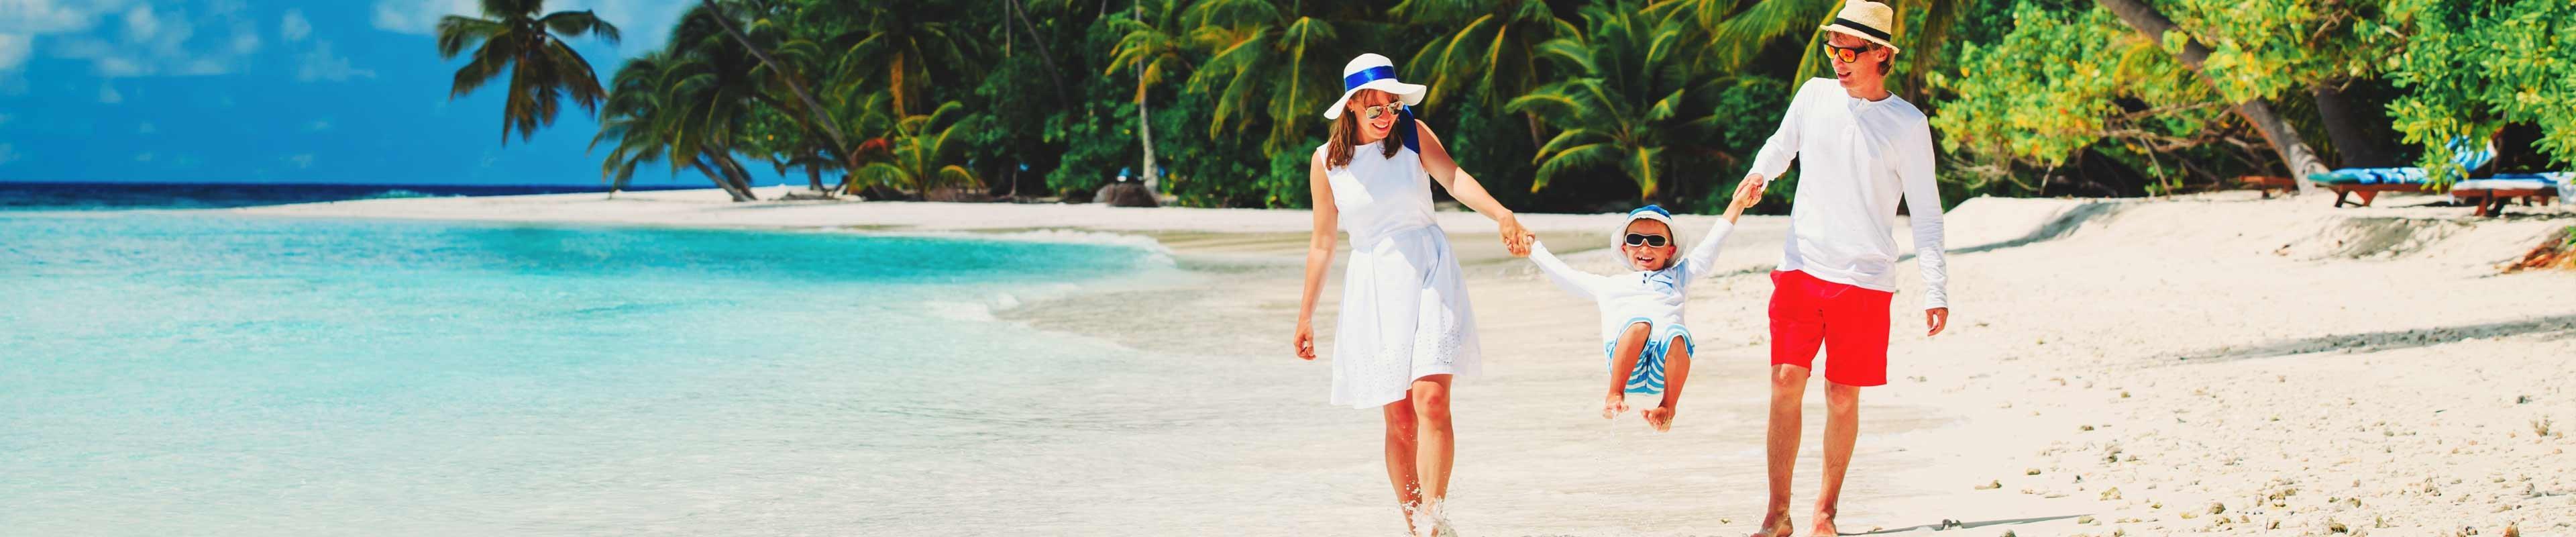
{"x": 1858, "y": 158}
{"x": 1652, "y": 296}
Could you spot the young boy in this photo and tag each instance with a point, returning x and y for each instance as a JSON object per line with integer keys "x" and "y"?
{"x": 1641, "y": 312}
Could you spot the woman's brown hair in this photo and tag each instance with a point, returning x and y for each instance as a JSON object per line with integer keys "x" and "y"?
{"x": 1346, "y": 134}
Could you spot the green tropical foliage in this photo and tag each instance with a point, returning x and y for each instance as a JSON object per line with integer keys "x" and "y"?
{"x": 1573, "y": 105}
{"x": 519, "y": 39}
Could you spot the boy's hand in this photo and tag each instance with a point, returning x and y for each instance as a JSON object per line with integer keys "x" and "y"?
{"x": 1749, "y": 192}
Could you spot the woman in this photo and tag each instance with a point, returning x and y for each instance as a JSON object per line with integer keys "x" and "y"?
{"x": 1405, "y": 327}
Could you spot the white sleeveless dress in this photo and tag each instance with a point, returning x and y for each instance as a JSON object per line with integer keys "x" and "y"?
{"x": 1404, "y": 312}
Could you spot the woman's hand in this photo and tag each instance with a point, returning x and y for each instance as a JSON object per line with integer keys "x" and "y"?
{"x": 1305, "y": 341}
{"x": 1515, "y": 238}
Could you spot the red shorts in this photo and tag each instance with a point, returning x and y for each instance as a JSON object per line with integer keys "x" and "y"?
{"x": 1849, "y": 321}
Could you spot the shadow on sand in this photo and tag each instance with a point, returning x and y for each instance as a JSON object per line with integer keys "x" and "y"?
{"x": 1953, "y": 524}
{"x": 2384, "y": 341}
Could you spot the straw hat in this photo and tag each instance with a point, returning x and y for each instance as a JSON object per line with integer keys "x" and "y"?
{"x": 1371, "y": 71}
{"x": 1866, "y": 20}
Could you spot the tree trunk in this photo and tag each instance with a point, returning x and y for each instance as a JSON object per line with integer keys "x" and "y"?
{"x": 2285, "y": 140}
{"x": 722, "y": 182}
{"x": 734, "y": 173}
{"x": 814, "y": 177}
{"x": 812, "y": 107}
{"x": 2358, "y": 148}
{"x": 1145, "y": 121}
{"x": 1021, "y": 12}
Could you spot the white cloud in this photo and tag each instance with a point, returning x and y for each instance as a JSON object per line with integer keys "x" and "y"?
{"x": 140, "y": 26}
{"x": 146, "y": 156}
{"x": 4, "y": 119}
{"x": 321, "y": 64}
{"x": 139, "y": 39}
{"x": 645, "y": 23}
{"x": 107, "y": 94}
{"x": 146, "y": 128}
{"x": 14, "y": 49}
{"x": 294, "y": 28}
{"x": 304, "y": 160}
{"x": 7, "y": 153}
{"x": 318, "y": 125}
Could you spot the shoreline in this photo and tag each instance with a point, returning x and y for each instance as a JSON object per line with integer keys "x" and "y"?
{"x": 2270, "y": 357}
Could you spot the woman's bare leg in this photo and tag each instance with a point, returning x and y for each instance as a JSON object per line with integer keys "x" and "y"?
{"x": 1434, "y": 441}
{"x": 1676, "y": 371}
{"x": 1399, "y": 457}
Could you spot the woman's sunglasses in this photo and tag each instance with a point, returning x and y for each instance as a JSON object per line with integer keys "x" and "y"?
{"x": 1372, "y": 112}
{"x": 1641, "y": 239}
{"x": 1847, "y": 54}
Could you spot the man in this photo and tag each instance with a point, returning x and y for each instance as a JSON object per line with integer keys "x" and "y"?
{"x": 1861, "y": 148}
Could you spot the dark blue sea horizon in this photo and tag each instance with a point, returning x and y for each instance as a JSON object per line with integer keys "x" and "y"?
{"x": 78, "y": 196}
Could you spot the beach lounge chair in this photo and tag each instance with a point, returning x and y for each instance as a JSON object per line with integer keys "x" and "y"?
{"x": 2489, "y": 195}
{"x": 2268, "y": 183}
{"x": 2369, "y": 182}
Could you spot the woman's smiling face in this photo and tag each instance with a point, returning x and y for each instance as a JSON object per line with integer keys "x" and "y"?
{"x": 1372, "y": 129}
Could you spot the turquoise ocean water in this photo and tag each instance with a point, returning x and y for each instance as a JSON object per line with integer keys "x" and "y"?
{"x": 199, "y": 373}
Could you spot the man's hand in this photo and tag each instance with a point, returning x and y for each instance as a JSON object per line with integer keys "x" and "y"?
{"x": 1749, "y": 191}
{"x": 1515, "y": 238}
{"x": 1936, "y": 319}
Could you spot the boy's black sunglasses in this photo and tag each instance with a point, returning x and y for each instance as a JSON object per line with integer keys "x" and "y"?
{"x": 1641, "y": 239}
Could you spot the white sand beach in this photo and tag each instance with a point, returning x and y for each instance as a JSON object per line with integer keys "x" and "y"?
{"x": 2211, "y": 363}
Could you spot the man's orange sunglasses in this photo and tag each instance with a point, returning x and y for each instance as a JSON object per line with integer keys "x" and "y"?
{"x": 1847, "y": 54}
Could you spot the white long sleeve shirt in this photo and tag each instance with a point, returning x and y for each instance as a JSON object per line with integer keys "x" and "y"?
{"x": 1859, "y": 156}
{"x": 1653, "y": 296}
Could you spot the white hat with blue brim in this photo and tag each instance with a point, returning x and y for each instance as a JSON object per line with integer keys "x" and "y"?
{"x": 1371, "y": 71}
{"x": 1650, "y": 212}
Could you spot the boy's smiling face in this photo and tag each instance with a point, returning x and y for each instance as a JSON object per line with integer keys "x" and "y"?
{"x": 1648, "y": 258}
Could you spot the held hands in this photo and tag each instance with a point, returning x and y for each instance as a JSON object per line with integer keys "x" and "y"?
{"x": 1936, "y": 319}
{"x": 1515, "y": 238}
{"x": 1747, "y": 193}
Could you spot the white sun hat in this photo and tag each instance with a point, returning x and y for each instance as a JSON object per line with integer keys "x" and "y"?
{"x": 1657, "y": 213}
{"x": 1371, "y": 71}
{"x": 1866, "y": 20}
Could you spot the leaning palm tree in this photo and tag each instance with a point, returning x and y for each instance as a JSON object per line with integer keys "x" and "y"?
{"x": 519, "y": 38}
{"x": 1632, "y": 107}
{"x": 646, "y": 116}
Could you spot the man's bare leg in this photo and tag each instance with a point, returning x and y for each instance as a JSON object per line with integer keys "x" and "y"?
{"x": 1842, "y": 430}
{"x": 1676, "y": 371}
{"x": 1788, "y": 389}
{"x": 1399, "y": 457}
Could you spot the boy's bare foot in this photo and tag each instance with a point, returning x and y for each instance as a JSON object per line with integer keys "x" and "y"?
{"x": 1824, "y": 526}
{"x": 1614, "y": 405}
{"x": 1776, "y": 524}
{"x": 1659, "y": 417}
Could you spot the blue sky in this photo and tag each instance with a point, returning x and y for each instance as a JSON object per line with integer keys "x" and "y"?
{"x": 344, "y": 91}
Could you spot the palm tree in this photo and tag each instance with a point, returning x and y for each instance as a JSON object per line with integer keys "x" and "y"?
{"x": 642, "y": 118}
{"x": 1148, "y": 47}
{"x": 1493, "y": 53}
{"x": 1633, "y": 106}
{"x": 924, "y": 155}
{"x": 1263, "y": 59}
{"x": 514, "y": 37}
{"x": 1735, "y": 31}
{"x": 907, "y": 43}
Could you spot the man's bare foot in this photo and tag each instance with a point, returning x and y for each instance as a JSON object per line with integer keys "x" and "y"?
{"x": 1824, "y": 526}
{"x": 1614, "y": 405}
{"x": 1659, "y": 417}
{"x": 1777, "y": 525}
